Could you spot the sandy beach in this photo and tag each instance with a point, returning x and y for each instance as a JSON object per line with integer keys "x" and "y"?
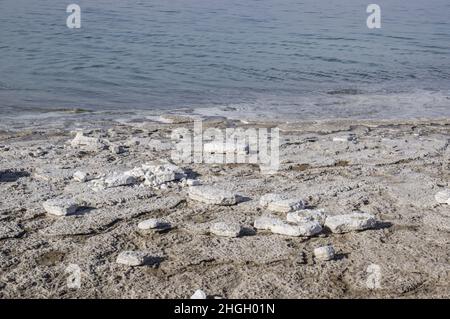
{"x": 390, "y": 170}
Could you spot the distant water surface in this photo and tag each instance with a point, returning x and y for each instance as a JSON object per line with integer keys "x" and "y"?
{"x": 311, "y": 59}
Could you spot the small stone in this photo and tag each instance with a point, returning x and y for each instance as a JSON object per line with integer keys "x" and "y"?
{"x": 324, "y": 253}
{"x": 119, "y": 179}
{"x": 306, "y": 229}
{"x": 265, "y": 223}
{"x": 192, "y": 182}
{"x": 62, "y": 207}
{"x": 91, "y": 143}
{"x": 226, "y": 229}
{"x": 158, "y": 173}
{"x": 136, "y": 258}
{"x": 212, "y": 195}
{"x": 350, "y": 222}
{"x": 286, "y": 205}
{"x": 443, "y": 197}
{"x": 199, "y": 294}
{"x": 154, "y": 223}
{"x": 81, "y": 177}
{"x": 305, "y": 215}
{"x": 344, "y": 138}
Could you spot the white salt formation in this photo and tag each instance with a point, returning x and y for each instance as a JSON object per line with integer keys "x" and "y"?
{"x": 212, "y": 195}
{"x": 225, "y": 229}
{"x": 86, "y": 142}
{"x": 304, "y": 215}
{"x": 154, "y": 223}
{"x": 350, "y": 222}
{"x": 199, "y": 294}
{"x": 286, "y": 205}
{"x": 306, "y": 229}
{"x": 324, "y": 253}
{"x": 443, "y": 197}
{"x": 62, "y": 206}
{"x": 134, "y": 258}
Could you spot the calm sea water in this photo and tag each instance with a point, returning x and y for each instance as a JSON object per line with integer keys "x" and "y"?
{"x": 304, "y": 58}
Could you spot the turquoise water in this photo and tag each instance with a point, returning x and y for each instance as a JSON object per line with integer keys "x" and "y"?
{"x": 302, "y": 56}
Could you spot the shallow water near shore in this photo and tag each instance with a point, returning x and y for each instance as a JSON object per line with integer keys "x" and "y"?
{"x": 296, "y": 59}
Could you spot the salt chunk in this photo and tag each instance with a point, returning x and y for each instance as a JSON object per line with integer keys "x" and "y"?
{"x": 226, "y": 229}
{"x": 212, "y": 195}
{"x": 62, "y": 206}
{"x": 443, "y": 197}
{"x": 286, "y": 205}
{"x": 324, "y": 253}
{"x": 304, "y": 215}
{"x": 350, "y": 222}
{"x": 154, "y": 223}
{"x": 199, "y": 294}
{"x": 136, "y": 258}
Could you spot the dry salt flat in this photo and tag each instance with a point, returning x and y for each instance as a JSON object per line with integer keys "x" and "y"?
{"x": 347, "y": 196}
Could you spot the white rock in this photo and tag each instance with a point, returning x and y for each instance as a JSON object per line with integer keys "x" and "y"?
{"x": 192, "y": 182}
{"x": 154, "y": 223}
{"x": 81, "y": 176}
{"x": 305, "y": 229}
{"x": 226, "y": 229}
{"x": 350, "y": 222}
{"x": 133, "y": 258}
{"x": 158, "y": 173}
{"x": 62, "y": 206}
{"x": 92, "y": 143}
{"x": 266, "y": 199}
{"x": 305, "y": 215}
{"x": 286, "y": 205}
{"x": 119, "y": 179}
{"x": 212, "y": 195}
{"x": 324, "y": 253}
{"x": 198, "y": 294}
{"x": 344, "y": 138}
{"x": 443, "y": 197}
{"x": 265, "y": 223}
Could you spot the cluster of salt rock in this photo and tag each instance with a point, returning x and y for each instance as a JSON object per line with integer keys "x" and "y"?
{"x": 307, "y": 222}
{"x": 443, "y": 197}
{"x": 160, "y": 174}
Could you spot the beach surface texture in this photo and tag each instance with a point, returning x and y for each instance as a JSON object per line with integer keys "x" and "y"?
{"x": 103, "y": 212}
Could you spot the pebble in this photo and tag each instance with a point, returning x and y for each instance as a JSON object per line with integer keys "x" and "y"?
{"x": 212, "y": 195}
{"x": 117, "y": 149}
{"x": 443, "y": 197}
{"x": 304, "y": 215}
{"x": 62, "y": 207}
{"x": 135, "y": 258}
{"x": 199, "y": 294}
{"x": 226, "y": 229}
{"x": 154, "y": 223}
{"x": 350, "y": 222}
{"x": 324, "y": 253}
